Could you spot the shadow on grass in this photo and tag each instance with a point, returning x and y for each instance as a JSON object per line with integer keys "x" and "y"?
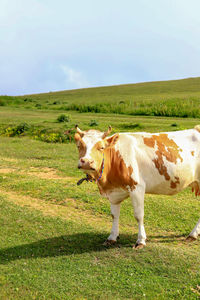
{"x": 61, "y": 246}
{"x": 76, "y": 244}
{"x": 173, "y": 238}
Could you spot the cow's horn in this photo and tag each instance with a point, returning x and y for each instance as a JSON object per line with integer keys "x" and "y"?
{"x": 106, "y": 133}
{"x": 79, "y": 131}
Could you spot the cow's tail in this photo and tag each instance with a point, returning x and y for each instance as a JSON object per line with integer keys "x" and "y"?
{"x": 197, "y": 127}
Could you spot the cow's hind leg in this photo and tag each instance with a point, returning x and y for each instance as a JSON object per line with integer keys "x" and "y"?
{"x": 194, "y": 233}
{"x": 196, "y": 230}
{"x": 115, "y": 212}
{"x": 137, "y": 197}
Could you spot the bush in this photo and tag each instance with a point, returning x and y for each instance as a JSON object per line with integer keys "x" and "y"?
{"x": 63, "y": 118}
{"x": 16, "y": 130}
{"x": 130, "y": 126}
{"x": 38, "y": 105}
{"x": 21, "y": 128}
{"x": 93, "y": 123}
{"x": 38, "y": 133}
{"x": 51, "y": 137}
{"x": 9, "y": 131}
{"x": 28, "y": 100}
{"x": 2, "y": 103}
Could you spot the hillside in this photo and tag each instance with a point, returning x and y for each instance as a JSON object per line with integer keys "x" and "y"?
{"x": 52, "y": 231}
{"x": 157, "y": 90}
{"x": 175, "y": 98}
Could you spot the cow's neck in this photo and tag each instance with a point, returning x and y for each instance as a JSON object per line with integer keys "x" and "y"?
{"x": 107, "y": 161}
{"x": 115, "y": 174}
{"x": 100, "y": 173}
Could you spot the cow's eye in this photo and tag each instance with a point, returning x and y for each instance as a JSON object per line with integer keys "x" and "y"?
{"x": 101, "y": 148}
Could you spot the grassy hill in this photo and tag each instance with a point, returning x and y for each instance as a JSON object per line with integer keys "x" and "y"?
{"x": 175, "y": 98}
{"x": 52, "y": 230}
{"x": 52, "y": 233}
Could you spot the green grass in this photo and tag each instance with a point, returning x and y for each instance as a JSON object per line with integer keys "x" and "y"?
{"x": 176, "y": 98}
{"x": 62, "y": 257}
{"x": 51, "y": 258}
{"x": 52, "y": 231}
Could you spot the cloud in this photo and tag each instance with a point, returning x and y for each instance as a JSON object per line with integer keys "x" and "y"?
{"x": 74, "y": 78}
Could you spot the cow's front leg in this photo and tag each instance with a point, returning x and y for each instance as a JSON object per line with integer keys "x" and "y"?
{"x": 115, "y": 212}
{"x": 195, "y": 232}
{"x": 137, "y": 197}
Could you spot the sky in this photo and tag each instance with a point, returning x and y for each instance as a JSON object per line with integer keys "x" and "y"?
{"x": 48, "y": 45}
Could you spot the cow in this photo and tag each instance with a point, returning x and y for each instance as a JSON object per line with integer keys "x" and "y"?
{"x": 132, "y": 164}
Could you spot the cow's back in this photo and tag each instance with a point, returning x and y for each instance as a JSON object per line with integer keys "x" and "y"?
{"x": 166, "y": 162}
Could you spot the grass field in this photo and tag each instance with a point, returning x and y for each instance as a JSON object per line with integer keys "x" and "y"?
{"x": 177, "y": 98}
{"x": 52, "y": 231}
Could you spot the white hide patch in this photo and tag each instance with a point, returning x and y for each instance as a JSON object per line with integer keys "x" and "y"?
{"x": 125, "y": 145}
{"x": 90, "y": 139}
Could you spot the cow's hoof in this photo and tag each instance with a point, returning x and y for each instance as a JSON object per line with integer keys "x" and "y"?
{"x": 108, "y": 243}
{"x": 138, "y": 246}
{"x": 190, "y": 239}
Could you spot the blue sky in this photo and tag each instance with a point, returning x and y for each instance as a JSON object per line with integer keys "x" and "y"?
{"x": 48, "y": 45}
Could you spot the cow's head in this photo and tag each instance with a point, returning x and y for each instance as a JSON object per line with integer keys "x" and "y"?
{"x": 91, "y": 145}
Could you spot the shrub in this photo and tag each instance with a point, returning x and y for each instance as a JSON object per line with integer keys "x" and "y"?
{"x": 38, "y": 133}
{"x": 51, "y": 137}
{"x": 93, "y": 123}
{"x": 63, "y": 118}
{"x": 16, "y": 130}
{"x": 2, "y": 103}
{"x": 38, "y": 105}
{"x": 21, "y": 128}
{"x": 9, "y": 131}
{"x": 130, "y": 126}
{"x": 28, "y": 100}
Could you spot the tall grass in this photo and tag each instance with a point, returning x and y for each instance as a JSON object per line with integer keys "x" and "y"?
{"x": 166, "y": 108}
{"x": 177, "y": 98}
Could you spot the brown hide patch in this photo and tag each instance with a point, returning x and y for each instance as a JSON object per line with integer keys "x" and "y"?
{"x": 99, "y": 148}
{"x": 150, "y": 142}
{"x": 195, "y": 188}
{"x": 116, "y": 174}
{"x": 192, "y": 152}
{"x": 165, "y": 148}
{"x": 162, "y": 169}
{"x": 174, "y": 183}
{"x": 80, "y": 145}
{"x": 112, "y": 140}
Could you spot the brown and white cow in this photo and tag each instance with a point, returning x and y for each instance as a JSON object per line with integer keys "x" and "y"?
{"x": 132, "y": 164}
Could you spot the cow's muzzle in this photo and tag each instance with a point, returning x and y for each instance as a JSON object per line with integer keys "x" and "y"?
{"x": 86, "y": 164}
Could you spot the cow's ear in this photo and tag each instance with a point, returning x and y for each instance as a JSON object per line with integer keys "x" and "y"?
{"x": 112, "y": 140}
{"x": 106, "y": 133}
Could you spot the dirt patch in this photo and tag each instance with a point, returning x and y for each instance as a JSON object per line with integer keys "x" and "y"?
{"x": 71, "y": 212}
{"x": 7, "y": 170}
{"x": 43, "y": 173}
{"x": 47, "y": 173}
{"x": 9, "y": 159}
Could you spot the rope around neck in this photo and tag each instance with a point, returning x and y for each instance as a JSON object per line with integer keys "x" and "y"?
{"x": 91, "y": 180}
{"x": 102, "y": 169}
{"x": 88, "y": 177}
